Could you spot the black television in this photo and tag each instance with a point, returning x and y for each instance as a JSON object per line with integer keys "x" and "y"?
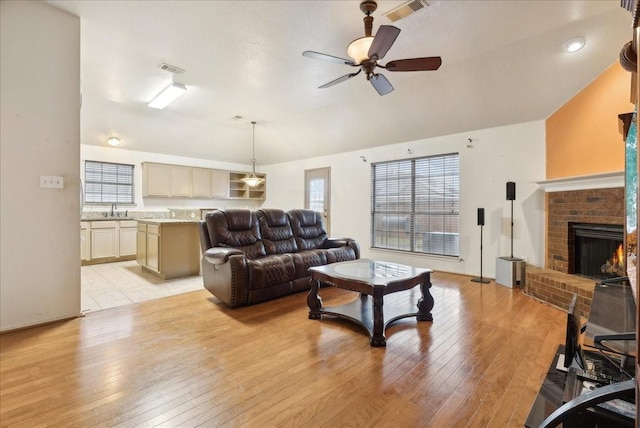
{"x": 572, "y": 349}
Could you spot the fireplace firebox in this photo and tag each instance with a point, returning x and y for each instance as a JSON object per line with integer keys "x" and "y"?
{"x": 596, "y": 250}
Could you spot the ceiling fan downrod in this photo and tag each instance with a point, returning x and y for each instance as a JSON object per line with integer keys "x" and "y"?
{"x": 368, "y": 7}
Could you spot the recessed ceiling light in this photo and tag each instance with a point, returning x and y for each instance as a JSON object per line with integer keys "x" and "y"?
{"x": 574, "y": 44}
{"x": 113, "y": 141}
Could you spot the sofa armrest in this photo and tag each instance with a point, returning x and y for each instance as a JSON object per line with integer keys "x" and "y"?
{"x": 220, "y": 255}
{"x": 335, "y": 242}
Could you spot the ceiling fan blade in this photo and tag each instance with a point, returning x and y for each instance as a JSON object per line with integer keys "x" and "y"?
{"x": 382, "y": 42}
{"x": 415, "y": 64}
{"x": 340, "y": 79}
{"x": 381, "y": 84}
{"x": 325, "y": 57}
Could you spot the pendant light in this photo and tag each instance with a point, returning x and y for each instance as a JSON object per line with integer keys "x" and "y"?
{"x": 253, "y": 180}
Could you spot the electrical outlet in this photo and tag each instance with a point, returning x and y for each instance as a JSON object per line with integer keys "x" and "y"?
{"x": 51, "y": 182}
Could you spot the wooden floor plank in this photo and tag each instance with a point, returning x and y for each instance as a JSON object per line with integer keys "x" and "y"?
{"x": 188, "y": 360}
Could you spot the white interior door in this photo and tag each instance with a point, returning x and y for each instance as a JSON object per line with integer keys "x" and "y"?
{"x": 317, "y": 194}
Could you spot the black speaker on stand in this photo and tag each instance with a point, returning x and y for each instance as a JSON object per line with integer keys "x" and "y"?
{"x": 481, "y": 224}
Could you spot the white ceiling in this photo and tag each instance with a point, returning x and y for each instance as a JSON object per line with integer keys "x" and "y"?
{"x": 502, "y": 63}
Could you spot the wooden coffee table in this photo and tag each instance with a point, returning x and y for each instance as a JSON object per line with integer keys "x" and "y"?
{"x": 373, "y": 280}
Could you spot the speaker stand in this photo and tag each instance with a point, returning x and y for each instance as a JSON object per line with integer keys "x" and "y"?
{"x": 480, "y": 279}
{"x": 512, "y": 228}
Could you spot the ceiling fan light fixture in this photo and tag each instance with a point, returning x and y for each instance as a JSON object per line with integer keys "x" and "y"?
{"x": 168, "y": 95}
{"x": 253, "y": 180}
{"x": 359, "y": 49}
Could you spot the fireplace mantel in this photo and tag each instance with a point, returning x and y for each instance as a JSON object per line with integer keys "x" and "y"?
{"x": 584, "y": 182}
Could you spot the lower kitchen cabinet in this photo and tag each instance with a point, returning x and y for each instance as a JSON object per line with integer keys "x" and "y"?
{"x": 127, "y": 245}
{"x": 85, "y": 241}
{"x": 168, "y": 248}
{"x": 103, "y": 241}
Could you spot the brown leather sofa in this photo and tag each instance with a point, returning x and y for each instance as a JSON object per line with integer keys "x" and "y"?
{"x": 253, "y": 256}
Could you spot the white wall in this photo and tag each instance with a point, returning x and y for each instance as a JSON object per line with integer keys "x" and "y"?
{"x": 39, "y": 135}
{"x": 132, "y": 157}
{"x": 509, "y": 153}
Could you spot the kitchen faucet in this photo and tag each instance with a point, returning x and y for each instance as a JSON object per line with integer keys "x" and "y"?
{"x": 113, "y": 206}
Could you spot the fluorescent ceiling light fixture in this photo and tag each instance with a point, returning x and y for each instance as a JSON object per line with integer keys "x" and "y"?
{"x": 113, "y": 141}
{"x": 169, "y": 94}
{"x": 574, "y": 44}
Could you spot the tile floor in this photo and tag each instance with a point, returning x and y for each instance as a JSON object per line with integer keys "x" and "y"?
{"x": 109, "y": 285}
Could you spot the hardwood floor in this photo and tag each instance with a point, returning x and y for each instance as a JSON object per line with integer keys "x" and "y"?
{"x": 188, "y": 360}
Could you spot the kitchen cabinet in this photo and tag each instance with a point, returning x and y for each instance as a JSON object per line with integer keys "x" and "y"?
{"x": 169, "y": 248}
{"x": 180, "y": 181}
{"x": 177, "y": 181}
{"x": 104, "y": 239}
{"x": 141, "y": 244}
{"x": 219, "y": 183}
{"x": 201, "y": 182}
{"x": 163, "y": 180}
{"x": 127, "y": 244}
{"x": 156, "y": 179}
{"x": 85, "y": 241}
{"x": 238, "y": 189}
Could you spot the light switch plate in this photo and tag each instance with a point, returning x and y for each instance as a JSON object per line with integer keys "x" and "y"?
{"x": 51, "y": 182}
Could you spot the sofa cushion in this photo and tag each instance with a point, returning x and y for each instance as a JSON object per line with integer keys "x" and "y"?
{"x": 308, "y": 228}
{"x": 271, "y": 270}
{"x": 236, "y": 228}
{"x": 306, "y": 259}
{"x": 276, "y": 231}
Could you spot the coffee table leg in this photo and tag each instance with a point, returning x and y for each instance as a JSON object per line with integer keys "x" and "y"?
{"x": 314, "y": 301}
{"x": 425, "y": 304}
{"x": 378, "y": 339}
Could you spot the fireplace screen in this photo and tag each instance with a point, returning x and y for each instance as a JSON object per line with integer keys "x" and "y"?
{"x": 598, "y": 250}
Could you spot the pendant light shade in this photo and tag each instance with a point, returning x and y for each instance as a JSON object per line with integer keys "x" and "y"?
{"x": 253, "y": 180}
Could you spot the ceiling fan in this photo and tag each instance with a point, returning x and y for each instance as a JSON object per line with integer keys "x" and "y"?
{"x": 368, "y": 50}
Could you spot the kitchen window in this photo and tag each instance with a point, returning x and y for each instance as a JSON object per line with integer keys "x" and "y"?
{"x": 108, "y": 183}
{"x": 415, "y": 205}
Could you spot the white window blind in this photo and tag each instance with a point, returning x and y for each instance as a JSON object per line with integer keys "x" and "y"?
{"x": 106, "y": 182}
{"x": 415, "y": 205}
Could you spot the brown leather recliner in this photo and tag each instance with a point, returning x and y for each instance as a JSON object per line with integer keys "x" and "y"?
{"x": 250, "y": 257}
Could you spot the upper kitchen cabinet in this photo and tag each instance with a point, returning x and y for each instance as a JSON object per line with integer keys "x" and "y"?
{"x": 219, "y": 183}
{"x": 209, "y": 183}
{"x": 180, "y": 181}
{"x": 177, "y": 181}
{"x": 162, "y": 180}
{"x": 156, "y": 179}
{"x": 200, "y": 182}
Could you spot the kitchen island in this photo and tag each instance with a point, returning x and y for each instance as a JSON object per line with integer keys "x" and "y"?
{"x": 168, "y": 248}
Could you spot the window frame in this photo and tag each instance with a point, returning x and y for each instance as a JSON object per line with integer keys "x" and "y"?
{"x": 401, "y": 221}
{"x": 105, "y": 201}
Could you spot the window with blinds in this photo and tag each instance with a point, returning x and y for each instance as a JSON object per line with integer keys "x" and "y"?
{"x": 415, "y": 205}
{"x": 107, "y": 183}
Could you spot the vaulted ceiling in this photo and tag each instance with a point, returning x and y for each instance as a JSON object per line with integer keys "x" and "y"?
{"x": 502, "y": 63}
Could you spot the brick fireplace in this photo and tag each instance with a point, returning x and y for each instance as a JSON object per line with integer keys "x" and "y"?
{"x": 555, "y": 283}
{"x": 598, "y": 206}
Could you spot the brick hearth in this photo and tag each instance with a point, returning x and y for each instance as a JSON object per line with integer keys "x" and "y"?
{"x": 554, "y": 284}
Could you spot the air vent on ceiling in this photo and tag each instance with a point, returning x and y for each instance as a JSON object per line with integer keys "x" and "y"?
{"x": 405, "y": 10}
{"x": 171, "y": 68}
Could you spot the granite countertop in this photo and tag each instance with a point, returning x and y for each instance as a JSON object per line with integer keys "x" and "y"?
{"x": 108, "y": 219}
{"x": 166, "y": 220}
